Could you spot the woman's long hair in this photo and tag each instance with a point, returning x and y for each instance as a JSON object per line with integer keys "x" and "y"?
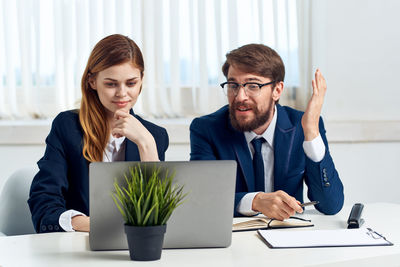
{"x": 110, "y": 51}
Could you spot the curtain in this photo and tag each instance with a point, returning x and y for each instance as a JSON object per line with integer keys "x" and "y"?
{"x": 45, "y": 44}
{"x": 304, "y": 92}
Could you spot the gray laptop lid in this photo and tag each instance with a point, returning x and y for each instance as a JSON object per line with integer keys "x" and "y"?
{"x": 203, "y": 220}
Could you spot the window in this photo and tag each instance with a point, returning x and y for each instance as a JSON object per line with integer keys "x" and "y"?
{"x": 44, "y": 46}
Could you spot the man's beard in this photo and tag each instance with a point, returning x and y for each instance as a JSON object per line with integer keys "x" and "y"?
{"x": 259, "y": 118}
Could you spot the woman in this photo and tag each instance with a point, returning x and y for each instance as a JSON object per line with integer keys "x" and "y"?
{"x": 104, "y": 129}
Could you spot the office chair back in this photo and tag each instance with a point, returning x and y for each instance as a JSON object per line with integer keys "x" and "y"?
{"x": 15, "y": 216}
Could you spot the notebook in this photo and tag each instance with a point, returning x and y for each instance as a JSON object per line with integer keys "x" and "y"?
{"x": 267, "y": 223}
{"x": 203, "y": 220}
{"x": 323, "y": 238}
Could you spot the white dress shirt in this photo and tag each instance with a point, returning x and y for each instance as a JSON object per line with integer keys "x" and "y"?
{"x": 114, "y": 151}
{"x": 314, "y": 149}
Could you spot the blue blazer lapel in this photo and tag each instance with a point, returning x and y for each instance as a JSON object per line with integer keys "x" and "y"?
{"x": 283, "y": 145}
{"x": 239, "y": 144}
{"x": 131, "y": 149}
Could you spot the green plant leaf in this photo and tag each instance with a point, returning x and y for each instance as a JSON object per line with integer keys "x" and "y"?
{"x": 146, "y": 218}
{"x": 148, "y": 197}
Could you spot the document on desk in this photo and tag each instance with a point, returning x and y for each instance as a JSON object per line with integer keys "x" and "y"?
{"x": 323, "y": 238}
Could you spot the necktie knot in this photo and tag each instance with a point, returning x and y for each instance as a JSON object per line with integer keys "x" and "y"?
{"x": 257, "y": 143}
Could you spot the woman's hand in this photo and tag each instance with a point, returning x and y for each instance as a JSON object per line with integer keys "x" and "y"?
{"x": 125, "y": 124}
{"x": 81, "y": 223}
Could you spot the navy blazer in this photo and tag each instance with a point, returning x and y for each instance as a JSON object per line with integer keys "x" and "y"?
{"x": 62, "y": 182}
{"x": 212, "y": 137}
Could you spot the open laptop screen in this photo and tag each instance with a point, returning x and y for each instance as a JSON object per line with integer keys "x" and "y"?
{"x": 203, "y": 220}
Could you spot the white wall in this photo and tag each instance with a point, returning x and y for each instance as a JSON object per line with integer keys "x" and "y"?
{"x": 14, "y": 157}
{"x": 356, "y": 44}
{"x": 369, "y": 171}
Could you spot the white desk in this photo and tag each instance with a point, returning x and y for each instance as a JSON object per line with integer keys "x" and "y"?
{"x": 247, "y": 249}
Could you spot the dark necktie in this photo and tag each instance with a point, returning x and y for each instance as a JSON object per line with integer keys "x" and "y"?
{"x": 258, "y": 164}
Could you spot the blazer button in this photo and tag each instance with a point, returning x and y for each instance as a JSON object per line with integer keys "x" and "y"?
{"x": 324, "y": 171}
{"x": 326, "y": 179}
{"x": 44, "y": 228}
{"x": 327, "y": 184}
{"x": 50, "y": 227}
{"x": 56, "y": 227}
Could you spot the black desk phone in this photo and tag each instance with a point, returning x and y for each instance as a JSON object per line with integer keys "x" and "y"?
{"x": 355, "y": 220}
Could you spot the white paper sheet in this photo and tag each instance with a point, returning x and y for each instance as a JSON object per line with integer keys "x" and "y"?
{"x": 323, "y": 238}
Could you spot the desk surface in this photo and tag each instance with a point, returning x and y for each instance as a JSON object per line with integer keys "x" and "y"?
{"x": 247, "y": 249}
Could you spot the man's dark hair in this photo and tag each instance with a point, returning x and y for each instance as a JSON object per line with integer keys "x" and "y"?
{"x": 256, "y": 59}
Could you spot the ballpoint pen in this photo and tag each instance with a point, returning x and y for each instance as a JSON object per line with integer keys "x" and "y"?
{"x": 309, "y": 203}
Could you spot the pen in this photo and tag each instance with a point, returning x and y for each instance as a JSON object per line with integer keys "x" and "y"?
{"x": 309, "y": 203}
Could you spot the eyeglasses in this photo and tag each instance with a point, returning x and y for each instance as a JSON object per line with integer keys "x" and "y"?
{"x": 250, "y": 89}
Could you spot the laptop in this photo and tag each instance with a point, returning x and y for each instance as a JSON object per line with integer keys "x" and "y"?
{"x": 203, "y": 220}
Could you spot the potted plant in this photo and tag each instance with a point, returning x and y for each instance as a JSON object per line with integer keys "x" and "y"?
{"x": 146, "y": 202}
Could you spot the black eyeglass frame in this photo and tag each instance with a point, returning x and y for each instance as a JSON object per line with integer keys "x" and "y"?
{"x": 260, "y": 85}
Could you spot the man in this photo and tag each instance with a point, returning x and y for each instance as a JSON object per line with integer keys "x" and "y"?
{"x": 289, "y": 146}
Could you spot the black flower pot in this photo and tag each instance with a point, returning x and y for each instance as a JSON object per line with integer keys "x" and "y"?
{"x": 145, "y": 242}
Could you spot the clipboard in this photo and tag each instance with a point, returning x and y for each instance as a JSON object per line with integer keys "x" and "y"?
{"x": 323, "y": 238}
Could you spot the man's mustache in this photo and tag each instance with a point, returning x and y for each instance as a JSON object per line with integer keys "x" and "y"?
{"x": 242, "y": 104}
